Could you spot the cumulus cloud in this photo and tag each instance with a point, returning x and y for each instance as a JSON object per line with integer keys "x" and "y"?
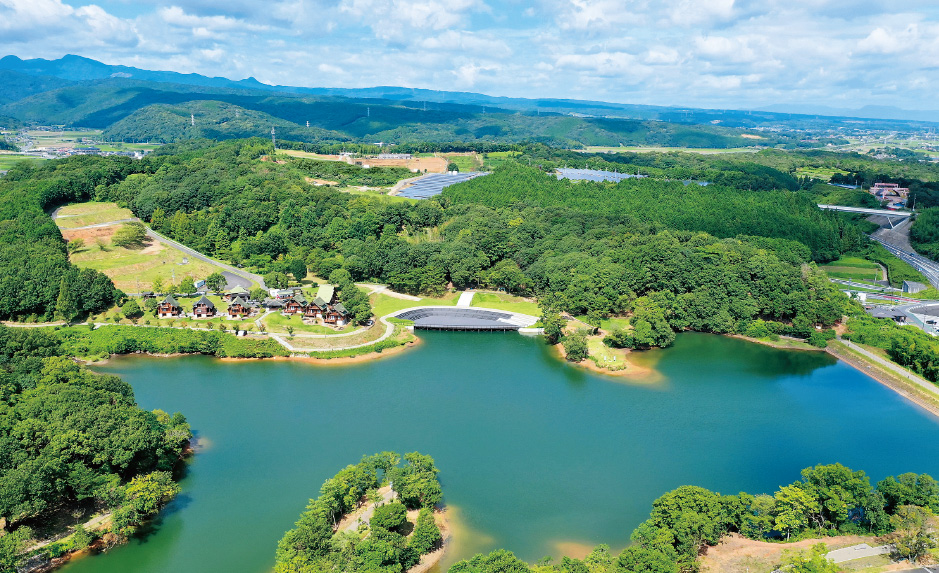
{"x": 720, "y": 53}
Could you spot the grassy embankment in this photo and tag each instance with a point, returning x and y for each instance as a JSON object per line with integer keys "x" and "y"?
{"x": 92, "y": 345}
{"x": 132, "y": 269}
{"x": 853, "y": 268}
{"x": 507, "y": 302}
{"x": 654, "y": 149}
{"x": 278, "y": 323}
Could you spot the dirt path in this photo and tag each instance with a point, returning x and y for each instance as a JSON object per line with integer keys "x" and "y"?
{"x": 737, "y": 554}
{"x": 364, "y": 513}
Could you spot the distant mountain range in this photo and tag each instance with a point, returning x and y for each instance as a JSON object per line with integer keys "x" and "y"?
{"x": 866, "y": 112}
{"x": 134, "y": 104}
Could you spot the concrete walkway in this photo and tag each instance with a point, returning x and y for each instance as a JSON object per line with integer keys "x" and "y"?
{"x": 466, "y": 299}
{"x": 859, "y": 551}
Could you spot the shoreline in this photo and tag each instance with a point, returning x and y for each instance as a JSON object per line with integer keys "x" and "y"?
{"x": 341, "y": 360}
{"x": 431, "y": 559}
{"x": 776, "y": 345}
{"x": 893, "y": 381}
{"x": 632, "y": 373}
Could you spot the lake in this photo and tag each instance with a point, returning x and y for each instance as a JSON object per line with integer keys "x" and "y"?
{"x": 534, "y": 454}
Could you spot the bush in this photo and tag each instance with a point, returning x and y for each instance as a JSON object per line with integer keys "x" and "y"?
{"x": 391, "y": 516}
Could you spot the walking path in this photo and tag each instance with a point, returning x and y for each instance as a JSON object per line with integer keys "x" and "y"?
{"x": 466, "y": 299}
{"x": 859, "y": 551}
{"x": 895, "y": 368}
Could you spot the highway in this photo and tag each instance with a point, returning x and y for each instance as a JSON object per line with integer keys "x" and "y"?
{"x": 866, "y": 211}
{"x": 929, "y": 268}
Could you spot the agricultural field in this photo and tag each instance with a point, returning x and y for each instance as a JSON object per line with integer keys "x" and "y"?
{"x": 507, "y": 302}
{"x": 820, "y": 173}
{"x": 465, "y": 162}
{"x": 92, "y": 213}
{"x": 8, "y": 160}
{"x": 62, "y": 138}
{"x": 853, "y": 268}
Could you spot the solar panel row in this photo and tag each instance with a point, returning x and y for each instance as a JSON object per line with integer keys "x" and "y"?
{"x": 594, "y": 175}
{"x": 434, "y": 184}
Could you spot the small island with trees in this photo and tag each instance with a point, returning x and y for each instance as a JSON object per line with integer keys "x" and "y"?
{"x": 378, "y": 515}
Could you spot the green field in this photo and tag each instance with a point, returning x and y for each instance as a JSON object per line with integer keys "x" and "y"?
{"x": 91, "y": 213}
{"x": 503, "y": 301}
{"x": 276, "y": 322}
{"x": 383, "y": 304}
{"x": 464, "y": 163}
{"x": 820, "y": 173}
{"x": 8, "y": 160}
{"x": 852, "y": 268}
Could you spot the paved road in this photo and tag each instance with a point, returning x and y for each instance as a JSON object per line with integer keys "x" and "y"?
{"x": 859, "y": 551}
{"x": 196, "y": 254}
{"x": 932, "y": 569}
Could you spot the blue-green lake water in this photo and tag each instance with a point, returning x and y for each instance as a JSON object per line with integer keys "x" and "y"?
{"x": 533, "y": 452}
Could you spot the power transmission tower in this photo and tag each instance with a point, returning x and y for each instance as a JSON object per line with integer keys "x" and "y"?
{"x": 192, "y": 119}
{"x": 274, "y": 138}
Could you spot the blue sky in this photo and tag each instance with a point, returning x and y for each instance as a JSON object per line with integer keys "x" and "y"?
{"x": 703, "y": 53}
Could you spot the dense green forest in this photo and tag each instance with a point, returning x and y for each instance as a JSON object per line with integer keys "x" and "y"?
{"x": 828, "y": 500}
{"x": 389, "y": 543}
{"x": 75, "y": 440}
{"x": 924, "y": 234}
{"x": 594, "y": 248}
{"x": 34, "y": 263}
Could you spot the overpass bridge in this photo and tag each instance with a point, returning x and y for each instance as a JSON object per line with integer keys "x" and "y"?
{"x": 888, "y": 213}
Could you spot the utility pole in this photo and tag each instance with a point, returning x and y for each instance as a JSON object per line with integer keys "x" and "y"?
{"x": 273, "y": 138}
{"x": 192, "y": 119}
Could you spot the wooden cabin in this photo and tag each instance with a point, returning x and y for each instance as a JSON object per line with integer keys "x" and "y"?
{"x": 238, "y": 291}
{"x": 336, "y": 314}
{"x": 241, "y": 307}
{"x": 204, "y": 308}
{"x": 169, "y": 308}
{"x": 315, "y": 309}
{"x": 294, "y": 304}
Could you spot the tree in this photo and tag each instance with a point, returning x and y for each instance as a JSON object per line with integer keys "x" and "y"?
{"x": 426, "y": 536}
{"x": 216, "y": 282}
{"x": 793, "y": 508}
{"x": 390, "y": 516}
{"x": 12, "y": 546}
{"x": 812, "y": 561}
{"x": 575, "y": 347}
{"x": 553, "y": 324}
{"x": 912, "y": 536}
{"x": 65, "y": 307}
{"x": 76, "y": 245}
{"x": 276, "y": 280}
{"x": 129, "y": 235}
{"x": 298, "y": 269}
{"x": 258, "y": 294}
{"x": 452, "y": 166}
{"x": 158, "y": 285}
{"x": 131, "y": 310}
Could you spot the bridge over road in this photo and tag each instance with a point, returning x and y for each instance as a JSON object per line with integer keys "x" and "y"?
{"x": 889, "y": 214}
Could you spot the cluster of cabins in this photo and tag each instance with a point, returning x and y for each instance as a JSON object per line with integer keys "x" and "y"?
{"x": 323, "y": 307}
{"x": 289, "y": 302}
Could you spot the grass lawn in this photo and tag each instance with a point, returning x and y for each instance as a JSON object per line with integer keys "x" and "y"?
{"x": 134, "y": 270}
{"x": 91, "y": 213}
{"x": 820, "y": 173}
{"x": 503, "y": 301}
{"x": 334, "y": 342}
{"x": 852, "y": 268}
{"x": 383, "y": 304}
{"x": 610, "y": 358}
{"x": 464, "y": 163}
{"x": 276, "y": 322}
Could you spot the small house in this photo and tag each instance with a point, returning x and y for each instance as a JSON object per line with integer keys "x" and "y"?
{"x": 882, "y": 312}
{"x": 295, "y": 304}
{"x": 240, "y": 307}
{"x": 913, "y": 287}
{"x": 282, "y": 294}
{"x": 273, "y": 303}
{"x": 238, "y": 291}
{"x": 315, "y": 309}
{"x": 336, "y": 314}
{"x": 169, "y": 308}
{"x": 204, "y": 308}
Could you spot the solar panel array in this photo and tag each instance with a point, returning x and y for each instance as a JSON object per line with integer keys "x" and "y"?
{"x": 434, "y": 184}
{"x": 594, "y": 175}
